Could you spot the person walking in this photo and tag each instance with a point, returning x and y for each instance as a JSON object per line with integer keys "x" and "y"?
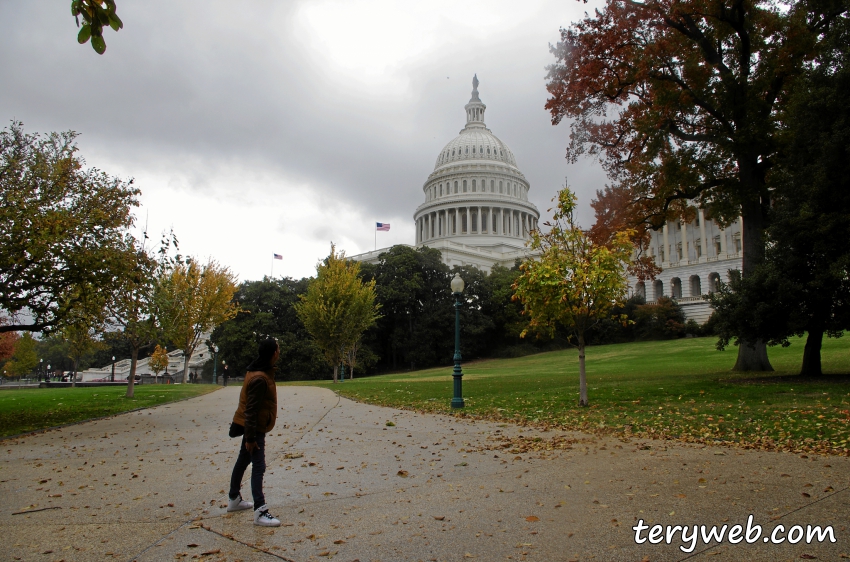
{"x": 255, "y": 416}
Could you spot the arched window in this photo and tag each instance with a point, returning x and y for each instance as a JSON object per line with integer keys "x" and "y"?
{"x": 696, "y": 290}
{"x": 676, "y": 288}
{"x": 453, "y": 152}
{"x": 713, "y": 280}
{"x": 640, "y": 289}
{"x": 473, "y": 150}
{"x": 501, "y": 189}
{"x": 657, "y": 289}
{"x": 473, "y": 181}
{"x": 464, "y": 186}
{"x": 492, "y": 186}
{"x": 467, "y": 150}
{"x": 488, "y": 151}
{"x": 455, "y": 187}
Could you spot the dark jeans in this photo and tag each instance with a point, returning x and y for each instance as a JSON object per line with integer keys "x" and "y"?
{"x": 257, "y": 459}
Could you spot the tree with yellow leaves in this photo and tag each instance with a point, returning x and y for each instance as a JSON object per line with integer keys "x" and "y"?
{"x": 191, "y": 300}
{"x": 158, "y": 361}
{"x": 575, "y": 283}
{"x": 338, "y": 307}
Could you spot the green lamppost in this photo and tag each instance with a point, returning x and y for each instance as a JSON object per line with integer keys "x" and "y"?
{"x": 215, "y": 364}
{"x": 457, "y": 374}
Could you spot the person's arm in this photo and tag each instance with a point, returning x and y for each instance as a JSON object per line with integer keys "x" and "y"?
{"x": 256, "y": 391}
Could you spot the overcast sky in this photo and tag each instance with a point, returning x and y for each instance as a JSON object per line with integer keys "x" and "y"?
{"x": 261, "y": 127}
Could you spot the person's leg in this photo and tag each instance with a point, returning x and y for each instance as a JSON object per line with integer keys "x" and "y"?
{"x": 258, "y": 467}
{"x": 242, "y": 462}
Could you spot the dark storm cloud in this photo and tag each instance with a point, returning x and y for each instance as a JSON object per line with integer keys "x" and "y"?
{"x": 201, "y": 87}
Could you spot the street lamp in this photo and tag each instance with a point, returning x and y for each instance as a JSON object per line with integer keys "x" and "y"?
{"x": 112, "y": 379}
{"x": 41, "y": 368}
{"x": 457, "y": 374}
{"x": 215, "y": 364}
{"x": 48, "y": 371}
{"x": 225, "y": 372}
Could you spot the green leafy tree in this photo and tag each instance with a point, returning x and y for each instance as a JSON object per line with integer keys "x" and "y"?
{"x": 682, "y": 101}
{"x": 575, "y": 283}
{"x": 64, "y": 230}
{"x": 267, "y": 310}
{"x": 191, "y": 300}
{"x": 338, "y": 307}
{"x": 24, "y": 358}
{"x": 803, "y": 287}
{"x": 96, "y": 15}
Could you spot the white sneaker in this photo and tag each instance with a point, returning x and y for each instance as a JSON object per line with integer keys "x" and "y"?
{"x": 238, "y": 504}
{"x": 263, "y": 518}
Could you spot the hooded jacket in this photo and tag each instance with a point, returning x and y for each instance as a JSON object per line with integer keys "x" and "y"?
{"x": 257, "y": 409}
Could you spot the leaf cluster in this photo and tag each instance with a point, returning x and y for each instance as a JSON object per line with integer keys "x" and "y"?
{"x": 96, "y": 15}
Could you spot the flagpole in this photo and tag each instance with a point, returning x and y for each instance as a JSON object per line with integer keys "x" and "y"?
{"x": 376, "y": 236}
{"x": 272, "y": 273}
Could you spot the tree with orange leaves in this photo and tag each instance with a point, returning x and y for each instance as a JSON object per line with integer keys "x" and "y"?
{"x": 681, "y": 99}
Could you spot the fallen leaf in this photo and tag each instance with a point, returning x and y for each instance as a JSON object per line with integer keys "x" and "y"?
{"x": 439, "y": 517}
{"x": 211, "y": 552}
{"x": 402, "y": 473}
{"x": 532, "y": 518}
{"x": 193, "y": 545}
{"x": 339, "y": 541}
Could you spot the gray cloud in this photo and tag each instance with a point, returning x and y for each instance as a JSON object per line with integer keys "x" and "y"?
{"x": 207, "y": 91}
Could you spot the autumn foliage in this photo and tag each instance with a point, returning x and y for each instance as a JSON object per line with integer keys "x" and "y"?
{"x": 681, "y": 101}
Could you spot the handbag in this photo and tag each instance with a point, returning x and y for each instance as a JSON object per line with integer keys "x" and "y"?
{"x": 236, "y": 430}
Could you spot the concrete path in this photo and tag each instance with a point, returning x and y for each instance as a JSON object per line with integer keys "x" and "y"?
{"x": 151, "y": 485}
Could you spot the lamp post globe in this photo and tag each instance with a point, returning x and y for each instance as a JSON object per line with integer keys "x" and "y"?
{"x": 457, "y": 373}
{"x": 112, "y": 377}
{"x": 48, "y": 371}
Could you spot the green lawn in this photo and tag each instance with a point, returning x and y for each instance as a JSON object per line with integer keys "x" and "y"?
{"x": 37, "y": 408}
{"x": 680, "y": 389}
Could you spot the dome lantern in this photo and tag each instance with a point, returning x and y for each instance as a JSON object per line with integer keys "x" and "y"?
{"x": 475, "y": 108}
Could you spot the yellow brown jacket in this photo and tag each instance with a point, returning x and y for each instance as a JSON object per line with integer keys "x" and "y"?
{"x": 257, "y": 409}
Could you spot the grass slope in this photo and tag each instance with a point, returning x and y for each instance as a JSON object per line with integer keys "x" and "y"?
{"x": 681, "y": 389}
{"x": 32, "y": 409}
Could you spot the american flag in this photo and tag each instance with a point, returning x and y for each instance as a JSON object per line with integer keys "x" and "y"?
{"x": 278, "y": 257}
{"x": 382, "y": 226}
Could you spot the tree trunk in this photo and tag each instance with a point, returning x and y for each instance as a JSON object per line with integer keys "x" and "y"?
{"x": 186, "y": 355}
{"x": 134, "y": 356}
{"x": 335, "y": 374}
{"x": 582, "y": 373}
{"x": 811, "y": 354}
{"x": 752, "y": 356}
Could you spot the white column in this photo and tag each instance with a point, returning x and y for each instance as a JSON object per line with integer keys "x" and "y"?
{"x": 685, "y": 255}
{"x": 468, "y": 221}
{"x": 703, "y": 240}
{"x": 722, "y": 254}
{"x": 666, "y": 246}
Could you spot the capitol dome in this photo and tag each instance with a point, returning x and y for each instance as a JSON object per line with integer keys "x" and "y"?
{"x": 476, "y": 208}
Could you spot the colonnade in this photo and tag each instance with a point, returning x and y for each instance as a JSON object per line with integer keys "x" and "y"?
{"x": 463, "y": 221}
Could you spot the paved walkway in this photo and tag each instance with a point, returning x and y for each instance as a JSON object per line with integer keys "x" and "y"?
{"x": 150, "y": 486}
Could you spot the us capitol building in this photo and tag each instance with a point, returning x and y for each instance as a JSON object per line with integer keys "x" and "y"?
{"x": 476, "y": 209}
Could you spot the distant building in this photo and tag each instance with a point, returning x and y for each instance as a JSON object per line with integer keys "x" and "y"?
{"x": 694, "y": 257}
{"x": 175, "y": 366}
{"x": 476, "y": 209}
